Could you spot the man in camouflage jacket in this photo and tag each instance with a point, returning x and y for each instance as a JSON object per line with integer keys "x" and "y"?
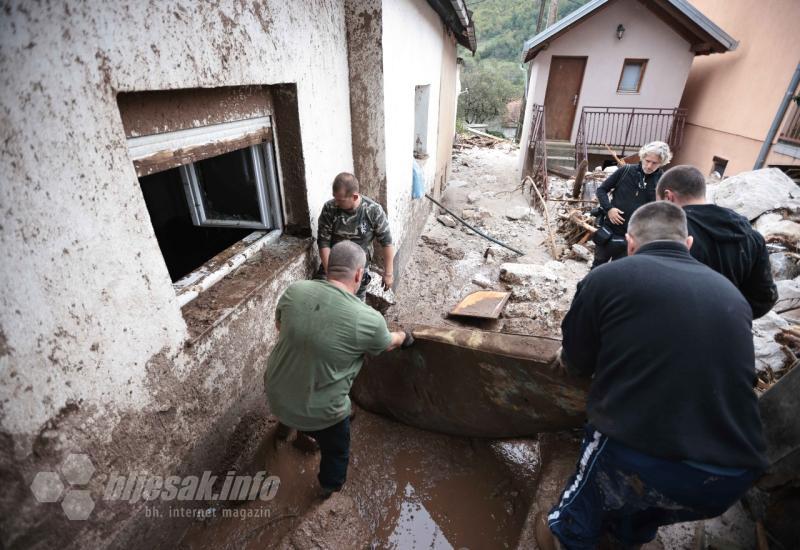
{"x": 350, "y": 216}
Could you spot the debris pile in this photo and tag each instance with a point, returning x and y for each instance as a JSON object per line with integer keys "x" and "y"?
{"x": 771, "y": 201}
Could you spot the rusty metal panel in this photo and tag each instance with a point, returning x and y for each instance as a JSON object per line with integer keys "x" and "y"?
{"x": 473, "y": 383}
{"x": 484, "y": 303}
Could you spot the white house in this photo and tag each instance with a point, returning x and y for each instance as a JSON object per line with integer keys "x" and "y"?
{"x": 612, "y": 73}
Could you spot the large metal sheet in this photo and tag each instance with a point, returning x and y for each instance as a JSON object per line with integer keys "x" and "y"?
{"x": 473, "y": 383}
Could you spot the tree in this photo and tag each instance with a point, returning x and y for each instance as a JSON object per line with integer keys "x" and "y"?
{"x": 489, "y": 85}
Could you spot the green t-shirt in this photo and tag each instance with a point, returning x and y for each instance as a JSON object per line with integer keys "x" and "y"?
{"x": 324, "y": 335}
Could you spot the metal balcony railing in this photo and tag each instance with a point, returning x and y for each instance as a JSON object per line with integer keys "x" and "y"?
{"x": 627, "y": 128}
{"x": 536, "y": 162}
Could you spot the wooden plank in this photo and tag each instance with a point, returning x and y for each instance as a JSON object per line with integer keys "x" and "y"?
{"x": 484, "y": 304}
{"x": 473, "y": 383}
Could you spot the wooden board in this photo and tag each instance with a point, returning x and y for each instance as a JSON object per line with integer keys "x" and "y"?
{"x": 473, "y": 383}
{"x": 484, "y": 304}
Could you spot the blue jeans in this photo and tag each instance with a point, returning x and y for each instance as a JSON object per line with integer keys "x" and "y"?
{"x": 619, "y": 491}
{"x": 334, "y": 447}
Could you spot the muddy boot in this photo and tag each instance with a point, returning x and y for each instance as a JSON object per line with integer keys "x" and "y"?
{"x": 545, "y": 538}
{"x": 326, "y": 492}
{"x": 305, "y": 443}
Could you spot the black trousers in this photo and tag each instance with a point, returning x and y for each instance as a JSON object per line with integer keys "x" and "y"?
{"x": 334, "y": 447}
{"x": 614, "y": 249}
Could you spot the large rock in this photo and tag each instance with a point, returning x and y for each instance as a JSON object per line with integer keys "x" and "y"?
{"x": 783, "y": 266}
{"x": 768, "y": 351}
{"x": 531, "y": 273}
{"x": 753, "y": 193}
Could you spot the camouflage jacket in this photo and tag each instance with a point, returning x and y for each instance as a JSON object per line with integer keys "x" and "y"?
{"x": 361, "y": 226}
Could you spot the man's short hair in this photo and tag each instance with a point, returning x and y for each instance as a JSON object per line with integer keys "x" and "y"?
{"x": 683, "y": 180}
{"x": 347, "y": 182}
{"x": 658, "y": 221}
{"x": 345, "y": 259}
{"x": 656, "y": 148}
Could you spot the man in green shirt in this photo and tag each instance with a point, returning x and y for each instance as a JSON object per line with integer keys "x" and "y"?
{"x": 350, "y": 216}
{"x": 324, "y": 333}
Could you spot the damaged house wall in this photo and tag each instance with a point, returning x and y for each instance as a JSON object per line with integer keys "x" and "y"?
{"x": 95, "y": 354}
{"x": 418, "y": 51}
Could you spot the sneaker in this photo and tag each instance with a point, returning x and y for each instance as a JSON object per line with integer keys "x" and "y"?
{"x": 305, "y": 443}
{"x": 545, "y": 538}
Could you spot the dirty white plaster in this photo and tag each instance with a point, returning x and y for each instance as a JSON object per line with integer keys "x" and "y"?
{"x": 85, "y": 297}
{"x": 646, "y": 37}
{"x": 413, "y": 41}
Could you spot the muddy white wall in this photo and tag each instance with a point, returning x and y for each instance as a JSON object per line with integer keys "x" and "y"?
{"x": 413, "y": 40}
{"x": 646, "y": 37}
{"x": 92, "y": 341}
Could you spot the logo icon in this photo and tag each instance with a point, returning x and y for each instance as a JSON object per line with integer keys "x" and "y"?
{"x": 76, "y": 470}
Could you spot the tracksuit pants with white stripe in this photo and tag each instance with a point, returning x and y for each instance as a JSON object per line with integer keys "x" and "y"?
{"x": 625, "y": 494}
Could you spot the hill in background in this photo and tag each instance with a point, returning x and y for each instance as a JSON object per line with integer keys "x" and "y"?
{"x": 496, "y": 75}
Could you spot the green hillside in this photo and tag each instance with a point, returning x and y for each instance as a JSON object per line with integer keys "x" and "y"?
{"x": 495, "y": 75}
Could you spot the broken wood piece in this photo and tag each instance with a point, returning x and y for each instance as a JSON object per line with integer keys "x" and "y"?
{"x": 551, "y": 238}
{"x": 580, "y": 174}
{"x": 483, "y": 304}
{"x": 484, "y": 134}
{"x": 619, "y": 161}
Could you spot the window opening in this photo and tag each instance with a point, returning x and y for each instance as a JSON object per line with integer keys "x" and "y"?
{"x": 630, "y": 80}
{"x": 421, "y": 103}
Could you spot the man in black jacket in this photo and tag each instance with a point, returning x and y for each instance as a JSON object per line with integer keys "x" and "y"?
{"x": 723, "y": 240}
{"x": 674, "y": 433}
{"x": 631, "y": 186}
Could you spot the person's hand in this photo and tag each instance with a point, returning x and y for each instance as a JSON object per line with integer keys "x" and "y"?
{"x": 615, "y": 215}
{"x": 388, "y": 280}
{"x": 408, "y": 341}
{"x": 558, "y": 365}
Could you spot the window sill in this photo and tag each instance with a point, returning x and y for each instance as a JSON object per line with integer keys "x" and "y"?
{"x": 628, "y": 93}
{"x": 226, "y": 297}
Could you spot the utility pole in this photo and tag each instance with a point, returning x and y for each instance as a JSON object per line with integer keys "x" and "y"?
{"x": 552, "y": 15}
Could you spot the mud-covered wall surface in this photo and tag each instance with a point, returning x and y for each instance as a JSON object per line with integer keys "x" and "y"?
{"x": 418, "y": 51}
{"x": 95, "y": 355}
{"x": 365, "y": 55}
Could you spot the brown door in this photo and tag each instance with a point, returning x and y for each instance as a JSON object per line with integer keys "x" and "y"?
{"x": 561, "y": 97}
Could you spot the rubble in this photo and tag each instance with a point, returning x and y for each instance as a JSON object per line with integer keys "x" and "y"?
{"x": 445, "y": 219}
{"x": 775, "y": 227}
{"x": 582, "y": 252}
{"x": 751, "y": 194}
{"x": 518, "y": 213}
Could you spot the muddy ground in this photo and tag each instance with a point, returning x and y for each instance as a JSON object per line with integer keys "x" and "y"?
{"x": 409, "y": 488}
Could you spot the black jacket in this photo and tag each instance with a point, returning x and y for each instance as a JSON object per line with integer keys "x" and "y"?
{"x": 631, "y": 189}
{"x": 669, "y": 343}
{"x": 728, "y": 244}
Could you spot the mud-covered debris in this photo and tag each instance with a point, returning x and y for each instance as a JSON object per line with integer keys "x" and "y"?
{"x": 582, "y": 252}
{"x": 481, "y": 280}
{"x": 784, "y": 265}
{"x": 334, "y": 524}
{"x": 445, "y": 219}
{"x": 434, "y": 242}
{"x": 518, "y": 213}
{"x": 452, "y": 253}
{"x": 513, "y": 273}
{"x": 476, "y": 213}
{"x": 473, "y": 197}
{"x": 768, "y": 352}
{"x": 777, "y": 228}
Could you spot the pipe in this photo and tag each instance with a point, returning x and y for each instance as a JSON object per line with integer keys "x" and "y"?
{"x": 787, "y": 97}
{"x": 479, "y": 232}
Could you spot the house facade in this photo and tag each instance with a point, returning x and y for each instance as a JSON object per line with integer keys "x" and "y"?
{"x": 163, "y": 167}
{"x": 734, "y": 101}
{"x": 613, "y": 73}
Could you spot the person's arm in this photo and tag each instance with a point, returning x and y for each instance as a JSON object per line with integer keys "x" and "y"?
{"x": 581, "y": 338}
{"x": 380, "y": 227}
{"x": 397, "y": 340}
{"x": 759, "y": 288}
{"x": 324, "y": 255}
{"x": 388, "y": 268}
{"x": 324, "y": 232}
{"x": 614, "y": 214}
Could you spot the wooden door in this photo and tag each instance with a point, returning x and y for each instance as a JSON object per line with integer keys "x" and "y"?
{"x": 561, "y": 97}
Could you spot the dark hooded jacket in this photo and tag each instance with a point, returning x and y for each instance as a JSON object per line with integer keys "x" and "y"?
{"x": 630, "y": 188}
{"x": 728, "y": 244}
